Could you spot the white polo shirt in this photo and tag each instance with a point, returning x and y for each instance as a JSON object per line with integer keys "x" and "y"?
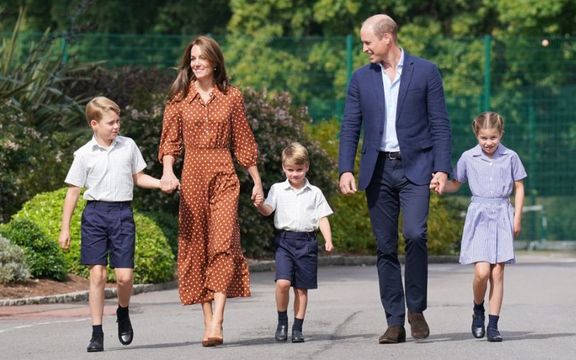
{"x": 106, "y": 173}
{"x": 297, "y": 209}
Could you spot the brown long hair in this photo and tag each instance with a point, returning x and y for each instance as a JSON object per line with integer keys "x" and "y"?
{"x": 211, "y": 50}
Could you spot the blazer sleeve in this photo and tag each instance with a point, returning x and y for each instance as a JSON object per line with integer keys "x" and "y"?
{"x": 439, "y": 123}
{"x": 350, "y": 127}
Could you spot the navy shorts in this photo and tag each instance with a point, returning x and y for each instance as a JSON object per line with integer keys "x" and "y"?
{"x": 297, "y": 259}
{"x": 108, "y": 230}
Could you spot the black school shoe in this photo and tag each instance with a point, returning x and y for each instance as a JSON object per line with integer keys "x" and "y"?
{"x": 297, "y": 336}
{"x": 125, "y": 332}
{"x": 96, "y": 343}
{"x": 478, "y": 329}
{"x": 281, "y": 334}
{"x": 493, "y": 335}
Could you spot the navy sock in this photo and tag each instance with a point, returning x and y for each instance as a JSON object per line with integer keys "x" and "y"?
{"x": 479, "y": 308}
{"x": 493, "y": 321}
{"x": 283, "y": 317}
{"x": 122, "y": 312}
{"x": 297, "y": 324}
{"x": 97, "y": 330}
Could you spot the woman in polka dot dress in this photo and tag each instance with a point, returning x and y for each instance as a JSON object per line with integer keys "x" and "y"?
{"x": 205, "y": 117}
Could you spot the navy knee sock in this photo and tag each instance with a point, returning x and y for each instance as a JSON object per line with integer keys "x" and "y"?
{"x": 479, "y": 308}
{"x": 493, "y": 321}
{"x": 297, "y": 324}
{"x": 122, "y": 312}
{"x": 97, "y": 330}
{"x": 283, "y": 317}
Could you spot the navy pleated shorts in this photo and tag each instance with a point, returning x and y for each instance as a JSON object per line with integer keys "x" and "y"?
{"x": 297, "y": 259}
{"x": 108, "y": 230}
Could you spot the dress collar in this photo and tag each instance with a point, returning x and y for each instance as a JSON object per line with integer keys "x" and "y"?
{"x": 500, "y": 151}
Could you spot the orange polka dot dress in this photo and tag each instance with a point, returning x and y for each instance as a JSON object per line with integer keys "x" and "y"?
{"x": 210, "y": 257}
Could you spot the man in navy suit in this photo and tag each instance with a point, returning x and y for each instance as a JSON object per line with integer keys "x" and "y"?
{"x": 398, "y": 102}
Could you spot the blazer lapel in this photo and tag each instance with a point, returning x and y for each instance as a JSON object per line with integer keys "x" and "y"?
{"x": 405, "y": 80}
{"x": 378, "y": 87}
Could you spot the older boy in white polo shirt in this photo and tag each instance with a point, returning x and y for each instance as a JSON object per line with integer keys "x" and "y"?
{"x": 108, "y": 166}
{"x": 300, "y": 209}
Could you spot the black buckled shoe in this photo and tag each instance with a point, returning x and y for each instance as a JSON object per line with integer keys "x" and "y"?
{"x": 281, "y": 334}
{"x": 125, "y": 332}
{"x": 493, "y": 335}
{"x": 478, "y": 329}
{"x": 297, "y": 336}
{"x": 96, "y": 343}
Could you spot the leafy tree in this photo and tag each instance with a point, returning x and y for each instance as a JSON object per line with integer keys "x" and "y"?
{"x": 127, "y": 17}
{"x": 38, "y": 121}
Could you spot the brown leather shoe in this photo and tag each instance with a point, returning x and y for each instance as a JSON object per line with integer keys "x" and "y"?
{"x": 393, "y": 335}
{"x": 420, "y": 329}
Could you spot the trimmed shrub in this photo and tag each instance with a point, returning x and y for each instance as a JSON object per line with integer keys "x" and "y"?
{"x": 154, "y": 262}
{"x": 13, "y": 266}
{"x": 43, "y": 256}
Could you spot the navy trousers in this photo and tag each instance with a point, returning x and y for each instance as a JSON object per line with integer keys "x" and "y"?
{"x": 388, "y": 193}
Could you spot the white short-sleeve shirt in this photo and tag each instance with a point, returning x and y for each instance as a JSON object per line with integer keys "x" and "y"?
{"x": 297, "y": 209}
{"x": 106, "y": 173}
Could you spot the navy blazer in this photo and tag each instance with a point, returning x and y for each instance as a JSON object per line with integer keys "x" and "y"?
{"x": 422, "y": 124}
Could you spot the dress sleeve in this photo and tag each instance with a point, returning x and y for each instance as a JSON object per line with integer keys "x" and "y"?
{"x": 459, "y": 173}
{"x": 171, "y": 138}
{"x": 518, "y": 171}
{"x": 244, "y": 145}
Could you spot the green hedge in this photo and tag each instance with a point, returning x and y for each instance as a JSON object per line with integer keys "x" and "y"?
{"x": 154, "y": 261}
{"x": 43, "y": 256}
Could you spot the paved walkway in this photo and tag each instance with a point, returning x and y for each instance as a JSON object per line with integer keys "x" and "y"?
{"x": 344, "y": 320}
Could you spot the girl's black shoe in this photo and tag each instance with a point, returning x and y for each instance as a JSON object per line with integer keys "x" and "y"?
{"x": 493, "y": 335}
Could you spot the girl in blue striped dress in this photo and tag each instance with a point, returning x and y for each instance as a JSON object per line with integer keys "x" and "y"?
{"x": 493, "y": 173}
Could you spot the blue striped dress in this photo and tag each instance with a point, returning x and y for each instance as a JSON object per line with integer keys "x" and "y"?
{"x": 488, "y": 234}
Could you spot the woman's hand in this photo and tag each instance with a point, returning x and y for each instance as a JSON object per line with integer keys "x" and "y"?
{"x": 169, "y": 183}
{"x": 257, "y": 195}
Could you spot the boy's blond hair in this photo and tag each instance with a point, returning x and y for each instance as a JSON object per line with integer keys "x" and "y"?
{"x": 99, "y": 105}
{"x": 295, "y": 154}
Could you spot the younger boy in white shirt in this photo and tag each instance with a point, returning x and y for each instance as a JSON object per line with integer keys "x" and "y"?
{"x": 300, "y": 209}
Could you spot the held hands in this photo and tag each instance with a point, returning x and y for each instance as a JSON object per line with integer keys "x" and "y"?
{"x": 169, "y": 183}
{"x": 438, "y": 182}
{"x": 257, "y": 195}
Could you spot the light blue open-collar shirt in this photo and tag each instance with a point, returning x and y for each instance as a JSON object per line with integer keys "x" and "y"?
{"x": 391, "y": 90}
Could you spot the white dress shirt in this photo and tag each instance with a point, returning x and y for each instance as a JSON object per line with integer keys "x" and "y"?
{"x": 106, "y": 173}
{"x": 297, "y": 209}
{"x": 391, "y": 90}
